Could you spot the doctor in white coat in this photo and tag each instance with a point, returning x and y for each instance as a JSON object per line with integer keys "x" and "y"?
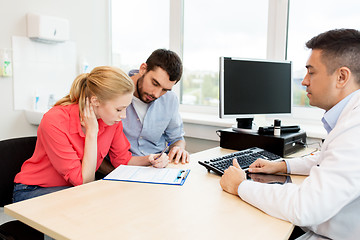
{"x": 327, "y": 204}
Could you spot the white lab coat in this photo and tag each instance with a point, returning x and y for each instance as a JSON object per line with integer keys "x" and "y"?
{"x": 327, "y": 203}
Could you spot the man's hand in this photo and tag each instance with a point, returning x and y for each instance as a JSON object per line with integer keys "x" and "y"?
{"x": 232, "y": 178}
{"x": 177, "y": 154}
{"x": 159, "y": 161}
{"x": 269, "y": 167}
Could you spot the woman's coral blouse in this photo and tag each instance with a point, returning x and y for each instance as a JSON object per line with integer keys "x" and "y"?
{"x": 60, "y": 148}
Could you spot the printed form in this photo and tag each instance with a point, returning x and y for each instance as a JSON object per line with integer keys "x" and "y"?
{"x": 148, "y": 175}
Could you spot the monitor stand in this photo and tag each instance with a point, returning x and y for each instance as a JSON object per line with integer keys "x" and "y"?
{"x": 281, "y": 145}
{"x": 244, "y": 125}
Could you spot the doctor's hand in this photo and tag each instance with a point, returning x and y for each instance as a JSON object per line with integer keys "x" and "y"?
{"x": 177, "y": 154}
{"x": 159, "y": 161}
{"x": 232, "y": 178}
{"x": 269, "y": 167}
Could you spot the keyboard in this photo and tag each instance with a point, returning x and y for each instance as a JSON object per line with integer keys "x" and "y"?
{"x": 244, "y": 157}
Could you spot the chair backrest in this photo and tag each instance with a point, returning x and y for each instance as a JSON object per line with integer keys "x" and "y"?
{"x": 13, "y": 153}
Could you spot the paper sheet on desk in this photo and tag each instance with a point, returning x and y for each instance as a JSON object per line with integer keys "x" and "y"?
{"x": 148, "y": 175}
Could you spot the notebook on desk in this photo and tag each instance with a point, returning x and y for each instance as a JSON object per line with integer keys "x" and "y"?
{"x": 171, "y": 176}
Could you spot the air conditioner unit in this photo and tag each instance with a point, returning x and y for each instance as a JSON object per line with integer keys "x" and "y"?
{"x": 47, "y": 29}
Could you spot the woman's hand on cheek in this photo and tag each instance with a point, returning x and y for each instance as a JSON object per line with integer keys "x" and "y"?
{"x": 89, "y": 120}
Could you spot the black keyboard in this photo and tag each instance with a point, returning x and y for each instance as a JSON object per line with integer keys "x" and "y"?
{"x": 244, "y": 157}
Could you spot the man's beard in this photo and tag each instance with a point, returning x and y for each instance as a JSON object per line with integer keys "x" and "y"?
{"x": 140, "y": 93}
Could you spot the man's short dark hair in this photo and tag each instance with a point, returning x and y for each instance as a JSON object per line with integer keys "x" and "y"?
{"x": 168, "y": 61}
{"x": 340, "y": 48}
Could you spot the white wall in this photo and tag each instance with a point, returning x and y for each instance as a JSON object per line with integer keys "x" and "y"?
{"x": 194, "y": 145}
{"x": 89, "y": 29}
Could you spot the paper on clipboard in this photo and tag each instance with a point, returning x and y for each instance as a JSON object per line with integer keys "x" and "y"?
{"x": 128, "y": 173}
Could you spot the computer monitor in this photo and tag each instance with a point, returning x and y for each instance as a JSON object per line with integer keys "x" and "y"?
{"x": 250, "y": 87}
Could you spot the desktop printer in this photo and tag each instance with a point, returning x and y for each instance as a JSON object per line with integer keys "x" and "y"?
{"x": 282, "y": 145}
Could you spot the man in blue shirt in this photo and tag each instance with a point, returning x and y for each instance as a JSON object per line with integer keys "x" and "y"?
{"x": 152, "y": 119}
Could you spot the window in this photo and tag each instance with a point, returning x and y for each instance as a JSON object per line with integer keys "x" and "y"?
{"x": 138, "y": 28}
{"x": 308, "y": 18}
{"x": 229, "y": 28}
{"x": 202, "y": 31}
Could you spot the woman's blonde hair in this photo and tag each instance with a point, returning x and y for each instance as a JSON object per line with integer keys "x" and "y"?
{"x": 106, "y": 83}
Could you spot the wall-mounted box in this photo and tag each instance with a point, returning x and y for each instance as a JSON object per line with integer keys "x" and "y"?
{"x": 47, "y": 29}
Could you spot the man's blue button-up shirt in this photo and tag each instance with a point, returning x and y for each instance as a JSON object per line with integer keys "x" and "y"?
{"x": 162, "y": 123}
{"x": 330, "y": 117}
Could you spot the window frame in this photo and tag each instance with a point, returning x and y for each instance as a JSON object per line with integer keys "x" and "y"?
{"x": 278, "y": 13}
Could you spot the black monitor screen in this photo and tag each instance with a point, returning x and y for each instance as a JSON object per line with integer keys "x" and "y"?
{"x": 250, "y": 87}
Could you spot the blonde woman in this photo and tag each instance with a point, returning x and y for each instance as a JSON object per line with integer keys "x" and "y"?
{"x": 78, "y": 132}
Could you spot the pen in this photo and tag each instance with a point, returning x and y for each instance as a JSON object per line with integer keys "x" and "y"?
{"x": 182, "y": 175}
{"x": 186, "y": 174}
{"x": 163, "y": 150}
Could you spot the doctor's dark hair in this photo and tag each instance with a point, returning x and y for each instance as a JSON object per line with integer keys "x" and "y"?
{"x": 168, "y": 61}
{"x": 340, "y": 48}
{"x": 106, "y": 83}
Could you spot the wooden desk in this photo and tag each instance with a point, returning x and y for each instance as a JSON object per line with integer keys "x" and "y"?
{"x": 122, "y": 210}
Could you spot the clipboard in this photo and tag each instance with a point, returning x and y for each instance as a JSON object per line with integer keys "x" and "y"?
{"x": 170, "y": 176}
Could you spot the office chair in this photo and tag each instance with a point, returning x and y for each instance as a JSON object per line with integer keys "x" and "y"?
{"x": 13, "y": 152}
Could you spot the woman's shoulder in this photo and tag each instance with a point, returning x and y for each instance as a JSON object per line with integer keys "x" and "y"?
{"x": 59, "y": 114}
